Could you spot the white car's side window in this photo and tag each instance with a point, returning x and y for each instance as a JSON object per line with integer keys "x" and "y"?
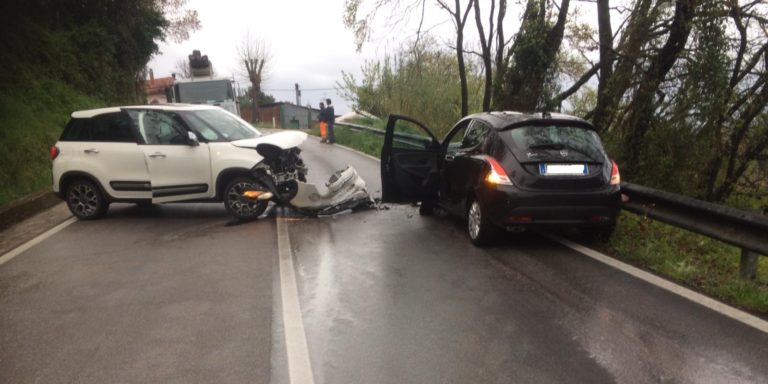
{"x": 159, "y": 128}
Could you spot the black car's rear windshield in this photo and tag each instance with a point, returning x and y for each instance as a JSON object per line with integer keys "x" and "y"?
{"x": 538, "y": 142}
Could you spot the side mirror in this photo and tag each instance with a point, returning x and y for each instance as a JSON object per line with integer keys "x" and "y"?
{"x": 192, "y": 139}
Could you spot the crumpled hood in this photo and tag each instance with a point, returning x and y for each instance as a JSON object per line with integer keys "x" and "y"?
{"x": 284, "y": 140}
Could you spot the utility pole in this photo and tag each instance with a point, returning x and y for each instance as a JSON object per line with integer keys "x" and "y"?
{"x": 298, "y": 94}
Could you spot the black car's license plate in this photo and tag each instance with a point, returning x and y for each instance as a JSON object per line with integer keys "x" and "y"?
{"x": 550, "y": 169}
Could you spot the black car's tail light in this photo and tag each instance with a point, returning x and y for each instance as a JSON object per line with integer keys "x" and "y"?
{"x": 615, "y": 176}
{"x": 497, "y": 175}
{"x": 54, "y": 152}
{"x": 520, "y": 219}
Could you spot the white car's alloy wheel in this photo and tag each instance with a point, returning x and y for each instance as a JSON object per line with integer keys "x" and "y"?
{"x": 85, "y": 201}
{"x": 239, "y": 206}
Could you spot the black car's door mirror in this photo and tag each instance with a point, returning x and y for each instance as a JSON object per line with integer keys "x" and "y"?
{"x": 192, "y": 139}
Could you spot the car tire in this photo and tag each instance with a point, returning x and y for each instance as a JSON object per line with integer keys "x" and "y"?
{"x": 480, "y": 230}
{"x": 85, "y": 200}
{"x": 597, "y": 234}
{"x": 240, "y": 207}
{"x": 426, "y": 208}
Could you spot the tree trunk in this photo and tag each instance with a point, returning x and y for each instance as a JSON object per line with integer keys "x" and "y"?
{"x": 485, "y": 44}
{"x": 462, "y": 71}
{"x": 606, "y": 64}
{"x": 460, "y": 22}
{"x": 498, "y": 80}
{"x": 532, "y": 56}
{"x": 254, "y": 102}
{"x": 642, "y": 107}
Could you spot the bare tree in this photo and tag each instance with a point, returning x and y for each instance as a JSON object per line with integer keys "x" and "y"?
{"x": 180, "y": 20}
{"x": 361, "y": 23}
{"x": 254, "y": 57}
{"x": 459, "y": 22}
{"x": 182, "y": 69}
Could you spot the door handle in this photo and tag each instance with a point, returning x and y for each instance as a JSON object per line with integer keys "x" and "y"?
{"x": 91, "y": 150}
{"x": 157, "y": 154}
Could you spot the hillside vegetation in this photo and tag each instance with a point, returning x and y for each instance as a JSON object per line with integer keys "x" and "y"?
{"x": 66, "y": 55}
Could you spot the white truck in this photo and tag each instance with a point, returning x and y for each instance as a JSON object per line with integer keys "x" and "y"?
{"x": 211, "y": 92}
{"x": 203, "y": 89}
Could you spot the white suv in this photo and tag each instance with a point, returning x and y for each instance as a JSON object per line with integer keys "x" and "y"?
{"x": 158, "y": 154}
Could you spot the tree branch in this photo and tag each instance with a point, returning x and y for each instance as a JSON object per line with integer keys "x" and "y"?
{"x": 576, "y": 86}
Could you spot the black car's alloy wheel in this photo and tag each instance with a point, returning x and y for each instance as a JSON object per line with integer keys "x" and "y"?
{"x": 85, "y": 200}
{"x": 480, "y": 230}
{"x": 239, "y": 206}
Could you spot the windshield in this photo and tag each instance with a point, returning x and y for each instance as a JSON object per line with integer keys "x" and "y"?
{"x": 538, "y": 142}
{"x": 219, "y": 125}
{"x": 204, "y": 91}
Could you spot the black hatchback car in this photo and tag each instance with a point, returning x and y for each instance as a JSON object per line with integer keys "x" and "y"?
{"x": 504, "y": 170}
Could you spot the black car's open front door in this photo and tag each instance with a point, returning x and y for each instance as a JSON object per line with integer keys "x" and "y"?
{"x": 408, "y": 161}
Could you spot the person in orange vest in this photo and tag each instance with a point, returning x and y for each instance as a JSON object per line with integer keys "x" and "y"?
{"x": 323, "y": 125}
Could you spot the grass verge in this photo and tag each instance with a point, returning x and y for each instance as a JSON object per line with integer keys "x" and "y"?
{"x": 31, "y": 120}
{"x": 696, "y": 261}
{"x": 362, "y": 141}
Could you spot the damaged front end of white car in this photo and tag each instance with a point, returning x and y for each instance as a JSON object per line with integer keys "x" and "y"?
{"x": 281, "y": 177}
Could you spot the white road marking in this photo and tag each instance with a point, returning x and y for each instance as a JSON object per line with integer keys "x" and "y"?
{"x": 299, "y": 366}
{"x": 37, "y": 240}
{"x": 724, "y": 309}
{"x": 733, "y": 313}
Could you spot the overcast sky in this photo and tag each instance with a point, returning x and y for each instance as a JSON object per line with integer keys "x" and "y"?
{"x": 307, "y": 38}
{"x": 308, "y": 41}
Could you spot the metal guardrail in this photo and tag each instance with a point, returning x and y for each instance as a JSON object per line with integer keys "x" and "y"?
{"x": 415, "y": 141}
{"x": 746, "y": 230}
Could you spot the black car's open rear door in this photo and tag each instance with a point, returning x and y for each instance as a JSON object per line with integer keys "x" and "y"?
{"x": 408, "y": 161}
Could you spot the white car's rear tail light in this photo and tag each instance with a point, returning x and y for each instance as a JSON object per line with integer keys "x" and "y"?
{"x": 54, "y": 152}
{"x": 615, "y": 176}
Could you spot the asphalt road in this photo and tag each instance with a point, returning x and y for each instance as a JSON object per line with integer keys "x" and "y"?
{"x": 175, "y": 294}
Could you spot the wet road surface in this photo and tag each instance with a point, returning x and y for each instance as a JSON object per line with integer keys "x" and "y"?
{"x": 167, "y": 294}
{"x": 174, "y": 294}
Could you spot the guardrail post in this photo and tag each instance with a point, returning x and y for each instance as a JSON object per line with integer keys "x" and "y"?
{"x": 748, "y": 265}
